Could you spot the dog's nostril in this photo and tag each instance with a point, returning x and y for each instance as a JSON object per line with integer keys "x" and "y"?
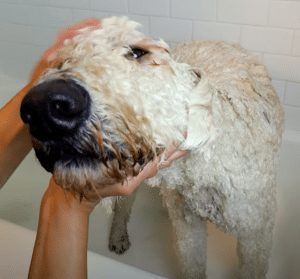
{"x": 67, "y": 108}
{"x": 27, "y": 117}
{"x": 28, "y": 113}
{"x": 64, "y": 107}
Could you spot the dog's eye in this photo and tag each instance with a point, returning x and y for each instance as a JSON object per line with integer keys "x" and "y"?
{"x": 136, "y": 53}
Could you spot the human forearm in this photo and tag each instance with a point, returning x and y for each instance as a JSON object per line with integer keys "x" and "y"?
{"x": 14, "y": 138}
{"x": 61, "y": 244}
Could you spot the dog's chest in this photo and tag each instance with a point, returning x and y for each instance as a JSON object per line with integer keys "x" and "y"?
{"x": 207, "y": 202}
{"x": 199, "y": 185}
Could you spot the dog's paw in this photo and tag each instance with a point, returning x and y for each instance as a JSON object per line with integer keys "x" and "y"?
{"x": 119, "y": 243}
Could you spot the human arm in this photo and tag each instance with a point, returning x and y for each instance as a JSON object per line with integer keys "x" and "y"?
{"x": 60, "y": 249}
{"x": 15, "y": 141}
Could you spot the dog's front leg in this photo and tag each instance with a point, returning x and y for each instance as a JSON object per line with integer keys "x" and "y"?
{"x": 190, "y": 233}
{"x": 118, "y": 237}
{"x": 254, "y": 251}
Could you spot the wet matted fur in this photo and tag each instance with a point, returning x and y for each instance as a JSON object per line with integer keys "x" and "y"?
{"x": 144, "y": 97}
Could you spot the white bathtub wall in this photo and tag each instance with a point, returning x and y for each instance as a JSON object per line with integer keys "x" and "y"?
{"x": 269, "y": 28}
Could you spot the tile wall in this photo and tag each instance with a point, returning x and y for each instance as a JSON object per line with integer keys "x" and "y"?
{"x": 268, "y": 28}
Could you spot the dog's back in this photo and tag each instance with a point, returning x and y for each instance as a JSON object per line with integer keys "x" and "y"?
{"x": 237, "y": 167}
{"x": 239, "y": 79}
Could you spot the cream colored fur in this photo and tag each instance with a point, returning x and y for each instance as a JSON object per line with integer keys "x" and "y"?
{"x": 222, "y": 97}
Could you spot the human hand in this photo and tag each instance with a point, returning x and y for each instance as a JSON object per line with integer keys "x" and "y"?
{"x": 69, "y": 33}
{"x": 49, "y": 57}
{"x": 125, "y": 188}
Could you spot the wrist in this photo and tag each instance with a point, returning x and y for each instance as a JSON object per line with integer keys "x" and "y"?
{"x": 59, "y": 201}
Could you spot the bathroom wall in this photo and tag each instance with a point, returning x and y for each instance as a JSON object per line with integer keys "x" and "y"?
{"x": 268, "y": 28}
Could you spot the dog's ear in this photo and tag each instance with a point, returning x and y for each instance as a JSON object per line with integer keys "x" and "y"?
{"x": 200, "y": 126}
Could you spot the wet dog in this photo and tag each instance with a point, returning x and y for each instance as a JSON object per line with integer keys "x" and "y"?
{"x": 111, "y": 99}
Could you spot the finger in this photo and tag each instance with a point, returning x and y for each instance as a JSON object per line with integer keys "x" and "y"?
{"x": 150, "y": 169}
{"x": 177, "y": 154}
{"x": 172, "y": 148}
{"x": 69, "y": 33}
{"x": 169, "y": 151}
{"x": 172, "y": 153}
{"x": 73, "y": 30}
{"x": 111, "y": 190}
{"x": 123, "y": 188}
{"x": 166, "y": 162}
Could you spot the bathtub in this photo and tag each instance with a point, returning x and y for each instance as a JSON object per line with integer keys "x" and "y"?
{"x": 151, "y": 254}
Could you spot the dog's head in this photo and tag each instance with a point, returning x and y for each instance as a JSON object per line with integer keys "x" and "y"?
{"x": 108, "y": 100}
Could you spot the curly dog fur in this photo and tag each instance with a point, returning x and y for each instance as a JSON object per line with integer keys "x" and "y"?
{"x": 144, "y": 97}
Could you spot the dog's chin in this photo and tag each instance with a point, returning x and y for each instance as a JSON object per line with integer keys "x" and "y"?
{"x": 78, "y": 172}
{"x": 82, "y": 169}
{"x": 63, "y": 152}
{"x": 47, "y": 162}
{"x": 84, "y": 176}
{"x": 50, "y": 160}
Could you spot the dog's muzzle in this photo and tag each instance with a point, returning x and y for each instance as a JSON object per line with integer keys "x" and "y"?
{"x": 55, "y": 110}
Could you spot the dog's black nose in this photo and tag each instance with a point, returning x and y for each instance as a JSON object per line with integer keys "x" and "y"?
{"x": 55, "y": 108}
